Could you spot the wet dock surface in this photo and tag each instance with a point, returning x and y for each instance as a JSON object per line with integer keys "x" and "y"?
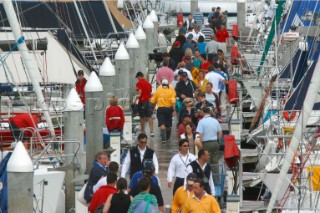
{"x": 164, "y": 154}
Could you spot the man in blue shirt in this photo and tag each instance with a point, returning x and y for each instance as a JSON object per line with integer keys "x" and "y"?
{"x": 148, "y": 172}
{"x": 188, "y": 44}
{"x": 210, "y": 133}
{"x": 148, "y": 167}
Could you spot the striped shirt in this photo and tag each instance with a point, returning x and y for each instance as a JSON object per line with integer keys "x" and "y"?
{"x": 207, "y": 32}
{"x": 198, "y": 18}
{"x": 143, "y": 196}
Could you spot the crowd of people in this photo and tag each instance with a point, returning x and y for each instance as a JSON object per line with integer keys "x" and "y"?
{"x": 193, "y": 188}
{"x": 191, "y": 87}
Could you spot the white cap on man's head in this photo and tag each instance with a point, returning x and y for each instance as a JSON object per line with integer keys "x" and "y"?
{"x": 164, "y": 81}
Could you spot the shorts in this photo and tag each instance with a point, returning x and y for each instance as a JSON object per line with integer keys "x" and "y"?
{"x": 164, "y": 116}
{"x": 16, "y": 133}
{"x": 145, "y": 109}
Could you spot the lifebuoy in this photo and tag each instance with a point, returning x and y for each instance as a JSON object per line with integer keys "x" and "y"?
{"x": 286, "y": 114}
{"x": 289, "y": 117}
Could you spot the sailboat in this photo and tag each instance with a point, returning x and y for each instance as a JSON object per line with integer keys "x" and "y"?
{"x": 280, "y": 83}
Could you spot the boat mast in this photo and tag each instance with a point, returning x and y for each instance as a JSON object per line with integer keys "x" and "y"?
{"x": 85, "y": 30}
{"x": 296, "y": 137}
{"x": 27, "y": 60}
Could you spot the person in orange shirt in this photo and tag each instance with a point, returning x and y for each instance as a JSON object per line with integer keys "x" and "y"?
{"x": 200, "y": 201}
{"x": 183, "y": 193}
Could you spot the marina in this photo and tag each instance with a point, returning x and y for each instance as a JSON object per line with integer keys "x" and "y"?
{"x": 77, "y": 75}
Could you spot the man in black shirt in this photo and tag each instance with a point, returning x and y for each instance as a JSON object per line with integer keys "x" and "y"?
{"x": 148, "y": 172}
{"x": 203, "y": 171}
{"x": 185, "y": 87}
{"x": 136, "y": 156}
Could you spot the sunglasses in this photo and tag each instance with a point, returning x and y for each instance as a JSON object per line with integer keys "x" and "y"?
{"x": 143, "y": 142}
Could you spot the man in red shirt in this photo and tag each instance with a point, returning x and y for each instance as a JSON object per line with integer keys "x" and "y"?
{"x": 223, "y": 38}
{"x": 204, "y": 63}
{"x": 23, "y": 121}
{"x": 80, "y": 84}
{"x": 145, "y": 108}
{"x": 102, "y": 194}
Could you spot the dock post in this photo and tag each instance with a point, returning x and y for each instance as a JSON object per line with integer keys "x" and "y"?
{"x": 94, "y": 118}
{"x": 141, "y": 38}
{"x": 133, "y": 49}
{"x": 154, "y": 19}
{"x": 20, "y": 181}
{"x": 115, "y": 144}
{"x": 148, "y": 27}
{"x": 241, "y": 16}
{"x": 107, "y": 77}
{"x": 193, "y": 6}
{"x": 122, "y": 79}
{"x": 73, "y": 130}
{"x": 127, "y": 129}
{"x": 233, "y": 204}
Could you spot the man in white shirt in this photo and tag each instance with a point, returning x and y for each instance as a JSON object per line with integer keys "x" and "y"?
{"x": 136, "y": 156}
{"x": 214, "y": 78}
{"x": 203, "y": 171}
{"x": 178, "y": 165}
{"x": 196, "y": 33}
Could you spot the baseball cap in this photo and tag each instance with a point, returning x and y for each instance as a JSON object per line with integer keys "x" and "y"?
{"x": 164, "y": 81}
{"x": 148, "y": 167}
{"x": 139, "y": 74}
{"x": 184, "y": 74}
{"x": 190, "y": 37}
{"x": 191, "y": 178}
{"x": 181, "y": 72}
{"x": 182, "y": 30}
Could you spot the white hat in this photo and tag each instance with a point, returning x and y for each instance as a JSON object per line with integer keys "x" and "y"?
{"x": 164, "y": 81}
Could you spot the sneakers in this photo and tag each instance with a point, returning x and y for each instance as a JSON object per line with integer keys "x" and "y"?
{"x": 163, "y": 142}
{"x": 151, "y": 134}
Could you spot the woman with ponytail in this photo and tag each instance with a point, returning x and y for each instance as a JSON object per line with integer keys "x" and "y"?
{"x": 120, "y": 201}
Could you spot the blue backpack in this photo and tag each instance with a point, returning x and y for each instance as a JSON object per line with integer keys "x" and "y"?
{"x": 145, "y": 206}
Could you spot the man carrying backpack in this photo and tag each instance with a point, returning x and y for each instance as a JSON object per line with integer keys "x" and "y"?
{"x": 144, "y": 201}
{"x": 154, "y": 188}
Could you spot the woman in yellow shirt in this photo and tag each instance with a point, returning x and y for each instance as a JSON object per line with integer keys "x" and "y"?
{"x": 201, "y": 82}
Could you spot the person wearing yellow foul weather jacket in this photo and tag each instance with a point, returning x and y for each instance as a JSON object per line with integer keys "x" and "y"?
{"x": 165, "y": 99}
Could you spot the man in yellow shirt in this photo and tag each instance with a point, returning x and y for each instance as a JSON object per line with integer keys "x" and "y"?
{"x": 165, "y": 98}
{"x": 183, "y": 193}
{"x": 200, "y": 202}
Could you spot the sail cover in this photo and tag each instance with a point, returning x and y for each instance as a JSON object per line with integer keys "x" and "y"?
{"x": 299, "y": 65}
{"x": 63, "y": 14}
